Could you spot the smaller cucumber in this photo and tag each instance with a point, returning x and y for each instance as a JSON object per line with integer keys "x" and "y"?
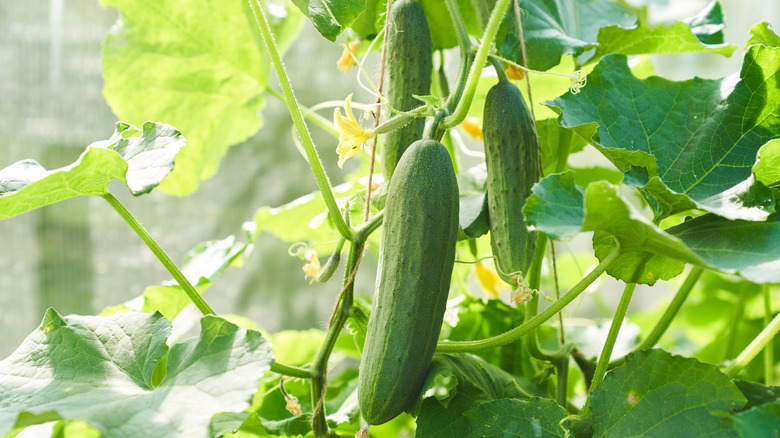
{"x": 512, "y": 158}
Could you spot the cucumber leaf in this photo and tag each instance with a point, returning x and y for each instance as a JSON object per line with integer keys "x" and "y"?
{"x": 99, "y": 369}
{"x": 199, "y": 66}
{"x": 701, "y": 33}
{"x": 562, "y": 209}
{"x": 455, "y": 383}
{"x": 510, "y": 417}
{"x": 139, "y": 158}
{"x": 655, "y": 394}
{"x": 331, "y": 17}
{"x": 744, "y": 247}
{"x": 698, "y": 137}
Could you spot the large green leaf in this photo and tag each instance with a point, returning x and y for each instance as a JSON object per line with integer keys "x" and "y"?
{"x": 744, "y": 247}
{"x": 562, "y": 209}
{"x": 99, "y": 369}
{"x": 196, "y": 65}
{"x": 655, "y": 394}
{"x": 699, "y": 137}
{"x": 139, "y": 158}
{"x": 455, "y": 383}
{"x": 331, "y": 17}
{"x": 697, "y": 34}
{"x": 510, "y": 417}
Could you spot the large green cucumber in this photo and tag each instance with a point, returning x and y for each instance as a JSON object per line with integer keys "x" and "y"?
{"x": 512, "y": 158}
{"x": 417, "y": 254}
{"x": 408, "y": 72}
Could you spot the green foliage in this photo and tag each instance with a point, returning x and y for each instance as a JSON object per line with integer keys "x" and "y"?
{"x": 698, "y": 137}
{"x": 99, "y": 369}
{"x": 657, "y": 394}
{"x": 689, "y": 175}
{"x": 139, "y": 158}
{"x": 196, "y": 66}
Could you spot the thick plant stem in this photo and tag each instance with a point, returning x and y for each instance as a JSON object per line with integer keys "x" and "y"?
{"x": 300, "y": 125}
{"x": 769, "y": 350}
{"x": 158, "y": 252}
{"x": 319, "y": 369}
{"x": 751, "y": 351}
{"x": 464, "y": 103}
{"x": 617, "y": 321}
{"x": 528, "y": 326}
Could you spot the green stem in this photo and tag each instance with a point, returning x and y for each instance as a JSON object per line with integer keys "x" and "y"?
{"x": 736, "y": 319}
{"x": 751, "y": 351}
{"x": 666, "y": 319}
{"x": 528, "y": 326}
{"x": 491, "y": 29}
{"x": 769, "y": 350}
{"x": 674, "y": 307}
{"x": 617, "y": 321}
{"x": 499, "y": 69}
{"x": 368, "y": 227}
{"x": 564, "y": 147}
{"x": 465, "y": 54}
{"x": 532, "y": 306}
{"x": 171, "y": 267}
{"x": 300, "y": 125}
{"x": 446, "y": 140}
{"x": 289, "y": 370}
{"x": 320, "y": 365}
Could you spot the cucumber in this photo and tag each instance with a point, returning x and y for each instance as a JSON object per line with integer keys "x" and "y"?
{"x": 512, "y": 158}
{"x": 408, "y": 71}
{"x": 417, "y": 254}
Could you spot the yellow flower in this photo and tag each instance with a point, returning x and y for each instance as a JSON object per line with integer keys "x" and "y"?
{"x": 352, "y": 135}
{"x": 347, "y": 59}
{"x": 490, "y": 281}
{"x": 312, "y": 269}
{"x": 471, "y": 125}
{"x": 513, "y": 72}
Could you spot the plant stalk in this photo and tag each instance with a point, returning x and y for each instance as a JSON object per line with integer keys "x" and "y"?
{"x": 491, "y": 29}
{"x": 319, "y": 369}
{"x": 751, "y": 351}
{"x": 528, "y": 326}
{"x": 617, "y": 322}
{"x": 769, "y": 350}
{"x": 300, "y": 125}
{"x": 161, "y": 255}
